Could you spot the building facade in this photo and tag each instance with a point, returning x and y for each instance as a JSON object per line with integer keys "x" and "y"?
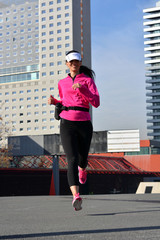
{"x": 34, "y": 38}
{"x": 152, "y": 60}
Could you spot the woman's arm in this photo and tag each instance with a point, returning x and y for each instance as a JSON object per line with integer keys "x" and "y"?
{"x": 90, "y": 93}
{"x": 52, "y": 100}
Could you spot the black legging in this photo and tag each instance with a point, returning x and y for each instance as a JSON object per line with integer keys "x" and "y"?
{"x": 76, "y": 138}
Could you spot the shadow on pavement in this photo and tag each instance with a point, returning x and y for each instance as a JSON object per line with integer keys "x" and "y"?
{"x": 95, "y": 231}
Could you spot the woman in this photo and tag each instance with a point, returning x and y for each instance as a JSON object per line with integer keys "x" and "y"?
{"x": 77, "y": 90}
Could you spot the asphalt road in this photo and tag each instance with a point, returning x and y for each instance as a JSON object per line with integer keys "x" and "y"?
{"x": 111, "y": 217}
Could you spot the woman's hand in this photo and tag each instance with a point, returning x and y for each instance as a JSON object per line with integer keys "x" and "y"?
{"x": 76, "y": 85}
{"x": 51, "y": 100}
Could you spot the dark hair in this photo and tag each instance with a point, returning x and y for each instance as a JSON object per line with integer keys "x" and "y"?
{"x": 83, "y": 69}
{"x": 72, "y": 51}
{"x": 87, "y": 71}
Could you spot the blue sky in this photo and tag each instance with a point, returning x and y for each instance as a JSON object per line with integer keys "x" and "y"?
{"x": 118, "y": 60}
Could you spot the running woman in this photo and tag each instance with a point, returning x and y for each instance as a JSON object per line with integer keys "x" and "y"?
{"x": 76, "y": 92}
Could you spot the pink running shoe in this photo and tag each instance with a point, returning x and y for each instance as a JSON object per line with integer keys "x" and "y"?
{"x": 82, "y": 176}
{"x": 77, "y": 202}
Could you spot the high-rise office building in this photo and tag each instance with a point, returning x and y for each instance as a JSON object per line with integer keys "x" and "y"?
{"x": 152, "y": 61}
{"x": 34, "y": 38}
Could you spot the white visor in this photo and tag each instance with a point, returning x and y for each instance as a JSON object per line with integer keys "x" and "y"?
{"x": 73, "y": 56}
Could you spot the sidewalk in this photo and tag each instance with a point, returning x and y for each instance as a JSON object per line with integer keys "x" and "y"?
{"x": 111, "y": 217}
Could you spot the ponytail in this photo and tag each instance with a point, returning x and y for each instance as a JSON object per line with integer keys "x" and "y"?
{"x": 87, "y": 71}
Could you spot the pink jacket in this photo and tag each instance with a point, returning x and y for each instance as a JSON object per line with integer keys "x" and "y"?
{"x": 80, "y": 97}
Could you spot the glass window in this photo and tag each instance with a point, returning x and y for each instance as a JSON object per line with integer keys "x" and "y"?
{"x": 51, "y": 64}
{"x": 59, "y": 54}
{"x": 51, "y": 55}
{"x": 66, "y": 14}
{"x": 43, "y": 19}
{"x": 58, "y": 23}
{"x": 51, "y": 32}
{"x": 44, "y": 128}
{"x": 43, "y": 11}
{"x": 50, "y": 2}
{"x": 43, "y": 4}
{"x": 36, "y": 98}
{"x": 59, "y": 72}
{"x": 66, "y": 7}
{"x": 43, "y": 65}
{"x": 59, "y": 63}
{"x": 51, "y": 73}
{"x": 59, "y": 16}
{"x": 51, "y": 25}
{"x": 58, "y": 1}
{"x": 59, "y": 8}
{"x": 51, "y": 10}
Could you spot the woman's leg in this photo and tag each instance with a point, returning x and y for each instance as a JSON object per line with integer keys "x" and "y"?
{"x": 84, "y": 141}
{"x": 69, "y": 142}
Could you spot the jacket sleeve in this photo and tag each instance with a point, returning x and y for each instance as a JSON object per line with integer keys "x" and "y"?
{"x": 90, "y": 93}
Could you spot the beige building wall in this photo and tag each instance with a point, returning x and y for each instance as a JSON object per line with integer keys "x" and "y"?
{"x": 63, "y": 25}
